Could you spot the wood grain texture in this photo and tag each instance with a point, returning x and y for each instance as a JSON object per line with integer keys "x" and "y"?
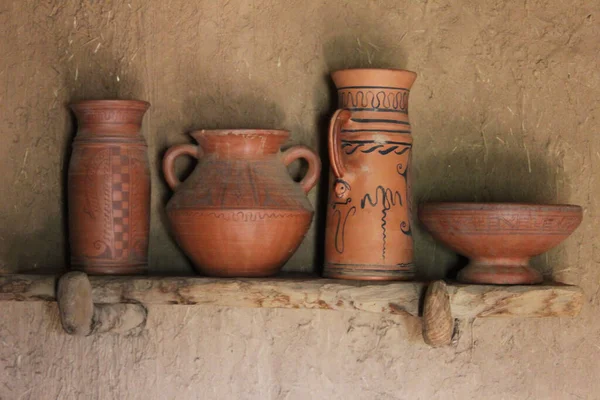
{"x": 474, "y": 301}
{"x": 477, "y": 301}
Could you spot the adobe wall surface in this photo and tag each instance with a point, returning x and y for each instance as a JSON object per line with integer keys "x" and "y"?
{"x": 505, "y": 108}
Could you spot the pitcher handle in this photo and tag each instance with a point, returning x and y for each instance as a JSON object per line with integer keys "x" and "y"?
{"x": 168, "y": 164}
{"x": 339, "y": 118}
{"x": 314, "y": 165}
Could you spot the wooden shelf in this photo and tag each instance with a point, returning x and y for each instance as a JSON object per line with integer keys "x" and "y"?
{"x": 466, "y": 301}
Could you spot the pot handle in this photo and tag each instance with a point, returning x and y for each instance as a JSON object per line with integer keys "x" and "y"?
{"x": 168, "y": 164}
{"x": 339, "y": 118}
{"x": 314, "y": 165}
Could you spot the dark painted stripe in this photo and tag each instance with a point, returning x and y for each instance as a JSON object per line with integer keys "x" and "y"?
{"x": 373, "y": 87}
{"x": 386, "y": 121}
{"x": 372, "y": 141}
{"x": 375, "y": 110}
{"x": 375, "y": 130}
{"x": 374, "y": 265}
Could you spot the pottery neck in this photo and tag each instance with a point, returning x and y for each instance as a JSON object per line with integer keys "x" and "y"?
{"x": 375, "y": 96}
{"x": 240, "y": 143}
{"x": 119, "y": 120}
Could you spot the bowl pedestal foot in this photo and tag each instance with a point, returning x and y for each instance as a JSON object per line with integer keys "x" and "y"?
{"x": 500, "y": 272}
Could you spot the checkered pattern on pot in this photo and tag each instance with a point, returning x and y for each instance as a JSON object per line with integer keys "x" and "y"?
{"x": 120, "y": 201}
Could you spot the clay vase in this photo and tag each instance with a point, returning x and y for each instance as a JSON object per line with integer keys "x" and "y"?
{"x": 500, "y": 238}
{"x": 239, "y": 213}
{"x": 368, "y": 233}
{"x": 109, "y": 188}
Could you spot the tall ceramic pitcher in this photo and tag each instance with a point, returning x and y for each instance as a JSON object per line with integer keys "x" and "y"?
{"x": 369, "y": 233}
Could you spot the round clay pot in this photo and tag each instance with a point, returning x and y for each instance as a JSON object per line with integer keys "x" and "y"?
{"x": 500, "y": 238}
{"x": 109, "y": 188}
{"x": 368, "y": 233}
{"x": 240, "y": 213}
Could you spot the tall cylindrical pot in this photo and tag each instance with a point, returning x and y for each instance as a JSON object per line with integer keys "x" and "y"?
{"x": 368, "y": 231}
{"x": 109, "y": 188}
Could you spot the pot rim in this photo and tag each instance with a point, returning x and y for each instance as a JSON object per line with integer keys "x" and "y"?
{"x": 111, "y": 103}
{"x": 375, "y": 70}
{"x": 241, "y": 132}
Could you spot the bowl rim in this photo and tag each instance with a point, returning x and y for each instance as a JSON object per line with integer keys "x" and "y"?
{"x": 498, "y": 206}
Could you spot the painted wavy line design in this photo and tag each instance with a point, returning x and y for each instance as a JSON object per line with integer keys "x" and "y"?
{"x": 396, "y": 101}
{"x": 386, "y": 198}
{"x": 339, "y": 234}
{"x": 369, "y": 146}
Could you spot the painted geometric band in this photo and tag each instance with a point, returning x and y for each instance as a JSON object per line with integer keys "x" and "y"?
{"x": 550, "y": 224}
{"x": 108, "y": 117}
{"x": 370, "y": 146}
{"x": 377, "y": 99}
{"x": 239, "y": 216}
{"x": 375, "y": 110}
{"x": 374, "y": 87}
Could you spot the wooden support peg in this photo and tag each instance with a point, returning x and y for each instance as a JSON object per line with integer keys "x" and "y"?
{"x": 438, "y": 323}
{"x": 80, "y": 316}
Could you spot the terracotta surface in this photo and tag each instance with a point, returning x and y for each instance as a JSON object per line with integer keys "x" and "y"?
{"x": 369, "y": 230}
{"x": 505, "y": 108}
{"x": 109, "y": 188}
{"x": 240, "y": 213}
{"x": 500, "y": 238}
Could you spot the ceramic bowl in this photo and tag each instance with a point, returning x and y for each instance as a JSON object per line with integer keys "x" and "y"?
{"x": 500, "y": 238}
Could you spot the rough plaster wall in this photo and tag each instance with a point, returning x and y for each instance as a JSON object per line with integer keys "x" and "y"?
{"x": 506, "y": 107}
